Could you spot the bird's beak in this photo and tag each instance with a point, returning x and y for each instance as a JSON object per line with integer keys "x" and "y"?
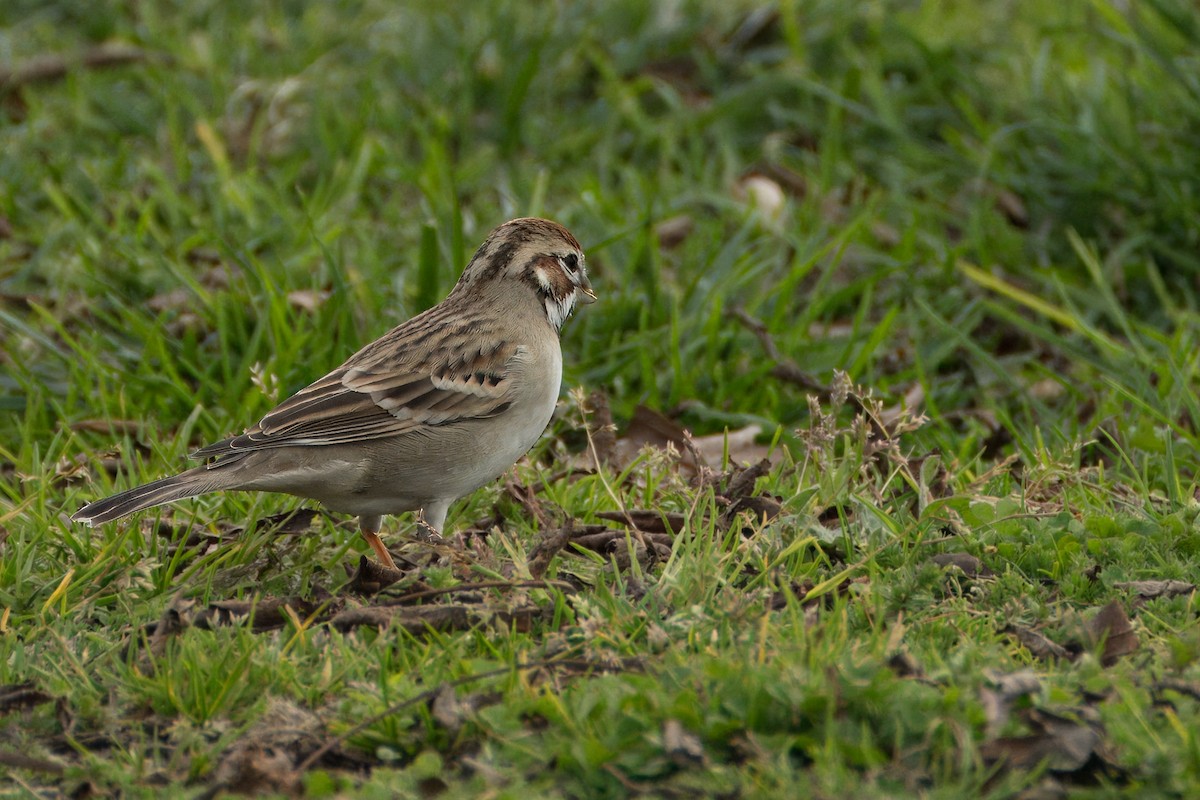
{"x": 586, "y": 294}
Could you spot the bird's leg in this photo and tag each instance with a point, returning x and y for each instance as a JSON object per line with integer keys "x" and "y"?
{"x": 369, "y": 526}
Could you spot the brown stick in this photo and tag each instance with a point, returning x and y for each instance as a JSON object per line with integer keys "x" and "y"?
{"x": 45, "y": 69}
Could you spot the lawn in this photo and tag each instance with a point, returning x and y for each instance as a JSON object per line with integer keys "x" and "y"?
{"x": 875, "y": 471}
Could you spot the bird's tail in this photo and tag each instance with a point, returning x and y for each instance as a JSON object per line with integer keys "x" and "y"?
{"x": 186, "y": 484}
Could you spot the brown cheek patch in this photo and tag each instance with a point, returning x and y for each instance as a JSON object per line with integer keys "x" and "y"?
{"x": 560, "y": 284}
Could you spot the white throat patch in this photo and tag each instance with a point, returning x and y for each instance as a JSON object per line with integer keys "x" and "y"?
{"x": 558, "y": 310}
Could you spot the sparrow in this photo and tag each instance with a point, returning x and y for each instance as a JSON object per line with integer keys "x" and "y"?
{"x": 429, "y": 412}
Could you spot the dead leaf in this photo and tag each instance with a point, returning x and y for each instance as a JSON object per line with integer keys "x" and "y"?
{"x": 649, "y": 427}
{"x": 673, "y": 231}
{"x": 518, "y": 619}
{"x": 1006, "y": 690}
{"x": 740, "y": 444}
{"x": 264, "y": 760}
{"x": 1111, "y": 626}
{"x": 1063, "y": 743}
{"x": 255, "y": 770}
{"x": 307, "y": 299}
{"x": 1150, "y": 590}
{"x": 1038, "y": 645}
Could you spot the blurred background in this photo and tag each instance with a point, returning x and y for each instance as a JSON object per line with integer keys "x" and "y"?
{"x": 987, "y": 213}
{"x": 988, "y": 208}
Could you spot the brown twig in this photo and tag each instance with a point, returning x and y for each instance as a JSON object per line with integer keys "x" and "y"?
{"x": 527, "y": 497}
{"x": 607, "y": 540}
{"x": 604, "y": 432}
{"x": 44, "y": 69}
{"x": 22, "y": 761}
{"x": 634, "y": 533}
{"x": 470, "y": 587}
{"x": 647, "y": 520}
{"x": 785, "y": 369}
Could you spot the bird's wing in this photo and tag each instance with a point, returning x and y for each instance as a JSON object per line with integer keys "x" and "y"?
{"x": 374, "y": 396}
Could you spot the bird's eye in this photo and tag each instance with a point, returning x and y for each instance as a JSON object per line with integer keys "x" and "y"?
{"x": 571, "y": 262}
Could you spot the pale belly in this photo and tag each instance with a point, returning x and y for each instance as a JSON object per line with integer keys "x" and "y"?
{"x": 414, "y": 470}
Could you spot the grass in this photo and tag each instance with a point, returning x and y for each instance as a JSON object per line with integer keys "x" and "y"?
{"x": 988, "y": 216}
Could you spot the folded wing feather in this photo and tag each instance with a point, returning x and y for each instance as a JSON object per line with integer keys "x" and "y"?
{"x": 356, "y": 403}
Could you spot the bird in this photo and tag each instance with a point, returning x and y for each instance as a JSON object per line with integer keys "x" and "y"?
{"x": 437, "y": 407}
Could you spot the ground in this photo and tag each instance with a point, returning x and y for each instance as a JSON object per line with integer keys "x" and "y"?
{"x": 876, "y": 464}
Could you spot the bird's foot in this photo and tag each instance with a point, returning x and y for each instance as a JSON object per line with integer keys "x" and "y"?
{"x": 381, "y": 552}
